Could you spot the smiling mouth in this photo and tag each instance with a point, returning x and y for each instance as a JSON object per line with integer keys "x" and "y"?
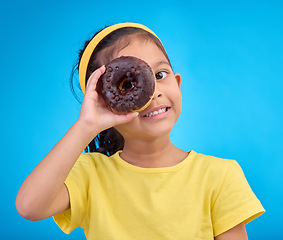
{"x": 161, "y": 110}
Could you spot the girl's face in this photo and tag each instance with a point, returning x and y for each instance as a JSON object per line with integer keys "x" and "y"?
{"x": 160, "y": 116}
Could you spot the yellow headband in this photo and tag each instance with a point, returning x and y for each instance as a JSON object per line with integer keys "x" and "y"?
{"x": 95, "y": 41}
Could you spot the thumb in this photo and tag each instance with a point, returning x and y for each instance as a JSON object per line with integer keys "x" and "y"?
{"x": 126, "y": 118}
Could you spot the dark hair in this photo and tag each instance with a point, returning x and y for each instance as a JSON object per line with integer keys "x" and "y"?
{"x": 110, "y": 140}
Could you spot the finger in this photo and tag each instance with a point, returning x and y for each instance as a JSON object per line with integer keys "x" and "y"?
{"x": 93, "y": 79}
{"x": 95, "y": 76}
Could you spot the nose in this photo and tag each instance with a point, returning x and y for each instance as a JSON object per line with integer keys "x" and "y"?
{"x": 158, "y": 91}
{"x": 157, "y": 94}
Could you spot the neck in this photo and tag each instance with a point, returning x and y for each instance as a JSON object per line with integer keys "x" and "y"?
{"x": 152, "y": 153}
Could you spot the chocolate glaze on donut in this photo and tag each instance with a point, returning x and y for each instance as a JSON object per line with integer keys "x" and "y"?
{"x": 127, "y": 85}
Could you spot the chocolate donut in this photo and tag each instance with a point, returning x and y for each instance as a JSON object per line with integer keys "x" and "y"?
{"x": 127, "y": 85}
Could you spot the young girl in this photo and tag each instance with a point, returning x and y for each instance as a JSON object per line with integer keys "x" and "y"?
{"x": 133, "y": 183}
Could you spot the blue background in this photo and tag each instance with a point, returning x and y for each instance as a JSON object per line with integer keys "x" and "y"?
{"x": 229, "y": 54}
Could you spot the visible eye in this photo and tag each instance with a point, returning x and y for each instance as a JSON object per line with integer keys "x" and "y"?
{"x": 161, "y": 75}
{"x": 127, "y": 85}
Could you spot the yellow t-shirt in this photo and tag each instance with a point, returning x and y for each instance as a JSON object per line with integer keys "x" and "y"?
{"x": 199, "y": 198}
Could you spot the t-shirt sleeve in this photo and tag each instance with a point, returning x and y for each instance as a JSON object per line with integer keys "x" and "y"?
{"x": 77, "y": 184}
{"x": 235, "y": 202}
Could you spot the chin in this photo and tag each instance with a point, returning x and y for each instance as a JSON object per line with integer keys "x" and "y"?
{"x": 157, "y": 132}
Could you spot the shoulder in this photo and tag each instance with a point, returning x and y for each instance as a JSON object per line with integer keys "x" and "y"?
{"x": 214, "y": 165}
{"x": 95, "y": 160}
{"x": 88, "y": 166}
{"x": 92, "y": 158}
{"x": 214, "y": 173}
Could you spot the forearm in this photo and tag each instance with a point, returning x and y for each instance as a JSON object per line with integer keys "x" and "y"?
{"x": 42, "y": 186}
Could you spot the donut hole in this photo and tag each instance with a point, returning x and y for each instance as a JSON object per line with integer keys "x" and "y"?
{"x": 126, "y": 85}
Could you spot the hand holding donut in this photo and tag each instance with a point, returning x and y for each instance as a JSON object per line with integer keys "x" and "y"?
{"x": 94, "y": 111}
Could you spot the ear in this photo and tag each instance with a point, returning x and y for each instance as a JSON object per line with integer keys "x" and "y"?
{"x": 178, "y": 79}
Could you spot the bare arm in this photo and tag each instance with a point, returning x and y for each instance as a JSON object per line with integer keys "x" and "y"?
{"x": 43, "y": 193}
{"x": 236, "y": 233}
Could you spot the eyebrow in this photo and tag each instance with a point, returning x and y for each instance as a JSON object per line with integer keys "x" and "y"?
{"x": 157, "y": 64}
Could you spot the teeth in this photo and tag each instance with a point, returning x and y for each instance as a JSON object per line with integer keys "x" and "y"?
{"x": 162, "y": 110}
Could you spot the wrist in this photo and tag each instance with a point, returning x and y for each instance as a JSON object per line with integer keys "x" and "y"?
{"x": 88, "y": 130}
